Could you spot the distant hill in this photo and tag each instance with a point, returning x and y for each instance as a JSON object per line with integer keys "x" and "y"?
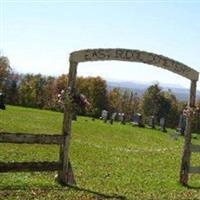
{"x": 181, "y": 93}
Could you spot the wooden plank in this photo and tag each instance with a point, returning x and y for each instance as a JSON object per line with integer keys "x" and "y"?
{"x": 192, "y": 98}
{"x": 185, "y": 163}
{"x": 133, "y": 55}
{"x": 66, "y": 176}
{"x": 6, "y": 137}
{"x": 195, "y": 148}
{"x": 29, "y": 166}
{"x": 194, "y": 170}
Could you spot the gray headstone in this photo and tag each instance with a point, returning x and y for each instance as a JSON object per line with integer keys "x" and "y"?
{"x": 113, "y": 117}
{"x": 182, "y": 124}
{"x": 152, "y": 121}
{"x": 163, "y": 124}
{"x": 104, "y": 115}
{"x": 181, "y": 127}
{"x": 137, "y": 120}
{"x": 122, "y": 118}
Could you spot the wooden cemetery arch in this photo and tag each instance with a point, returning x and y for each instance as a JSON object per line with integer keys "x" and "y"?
{"x": 66, "y": 174}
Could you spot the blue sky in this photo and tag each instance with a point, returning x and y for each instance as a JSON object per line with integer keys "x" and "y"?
{"x": 38, "y": 36}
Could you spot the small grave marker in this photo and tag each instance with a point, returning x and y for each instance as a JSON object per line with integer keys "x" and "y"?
{"x": 137, "y": 120}
{"x": 152, "y": 121}
{"x": 181, "y": 127}
{"x": 163, "y": 124}
{"x": 104, "y": 115}
{"x": 182, "y": 124}
{"x": 122, "y": 118}
{"x": 113, "y": 117}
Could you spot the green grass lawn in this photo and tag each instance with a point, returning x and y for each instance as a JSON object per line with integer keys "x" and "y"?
{"x": 109, "y": 161}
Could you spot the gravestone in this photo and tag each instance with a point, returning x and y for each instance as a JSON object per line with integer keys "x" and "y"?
{"x": 137, "y": 120}
{"x": 101, "y": 117}
{"x": 122, "y": 118}
{"x": 181, "y": 127}
{"x": 152, "y": 122}
{"x": 182, "y": 124}
{"x": 2, "y": 105}
{"x": 104, "y": 115}
{"x": 113, "y": 117}
{"x": 163, "y": 124}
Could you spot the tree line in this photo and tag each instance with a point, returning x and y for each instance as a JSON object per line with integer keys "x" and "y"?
{"x": 39, "y": 91}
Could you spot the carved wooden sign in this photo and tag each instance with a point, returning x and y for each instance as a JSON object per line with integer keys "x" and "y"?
{"x": 134, "y": 56}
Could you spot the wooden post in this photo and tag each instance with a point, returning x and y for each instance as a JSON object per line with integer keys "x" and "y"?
{"x": 66, "y": 176}
{"x": 185, "y": 164}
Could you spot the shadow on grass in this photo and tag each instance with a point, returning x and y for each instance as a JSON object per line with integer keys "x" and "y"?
{"x": 62, "y": 189}
{"x": 193, "y": 187}
{"x": 107, "y": 196}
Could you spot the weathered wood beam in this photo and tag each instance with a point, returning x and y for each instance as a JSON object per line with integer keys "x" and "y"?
{"x": 66, "y": 176}
{"x": 185, "y": 163}
{"x": 133, "y": 55}
{"x": 195, "y": 148}
{"x": 192, "y": 98}
{"x": 194, "y": 170}
{"x": 6, "y": 137}
{"x": 29, "y": 166}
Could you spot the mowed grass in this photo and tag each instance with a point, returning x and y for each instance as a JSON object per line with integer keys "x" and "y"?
{"x": 109, "y": 161}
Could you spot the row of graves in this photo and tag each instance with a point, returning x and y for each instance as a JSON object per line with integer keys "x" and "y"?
{"x": 112, "y": 117}
{"x": 151, "y": 122}
{"x": 136, "y": 121}
{"x": 105, "y": 116}
{"x": 180, "y": 131}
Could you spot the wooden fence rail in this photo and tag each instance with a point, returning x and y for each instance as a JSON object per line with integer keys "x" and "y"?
{"x": 194, "y": 170}
{"x": 195, "y": 148}
{"x": 6, "y": 137}
{"x": 29, "y": 166}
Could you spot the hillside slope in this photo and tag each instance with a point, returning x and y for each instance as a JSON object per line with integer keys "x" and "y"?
{"x": 109, "y": 161}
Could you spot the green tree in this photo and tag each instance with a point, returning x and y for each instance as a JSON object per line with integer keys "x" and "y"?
{"x": 114, "y": 100}
{"x": 61, "y": 83}
{"x": 133, "y": 105}
{"x": 5, "y": 69}
{"x": 51, "y": 94}
{"x": 151, "y": 98}
{"x": 174, "y": 113}
{"x": 26, "y": 91}
{"x": 123, "y": 101}
{"x": 155, "y": 103}
{"x": 12, "y": 86}
{"x": 39, "y": 85}
{"x": 95, "y": 90}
